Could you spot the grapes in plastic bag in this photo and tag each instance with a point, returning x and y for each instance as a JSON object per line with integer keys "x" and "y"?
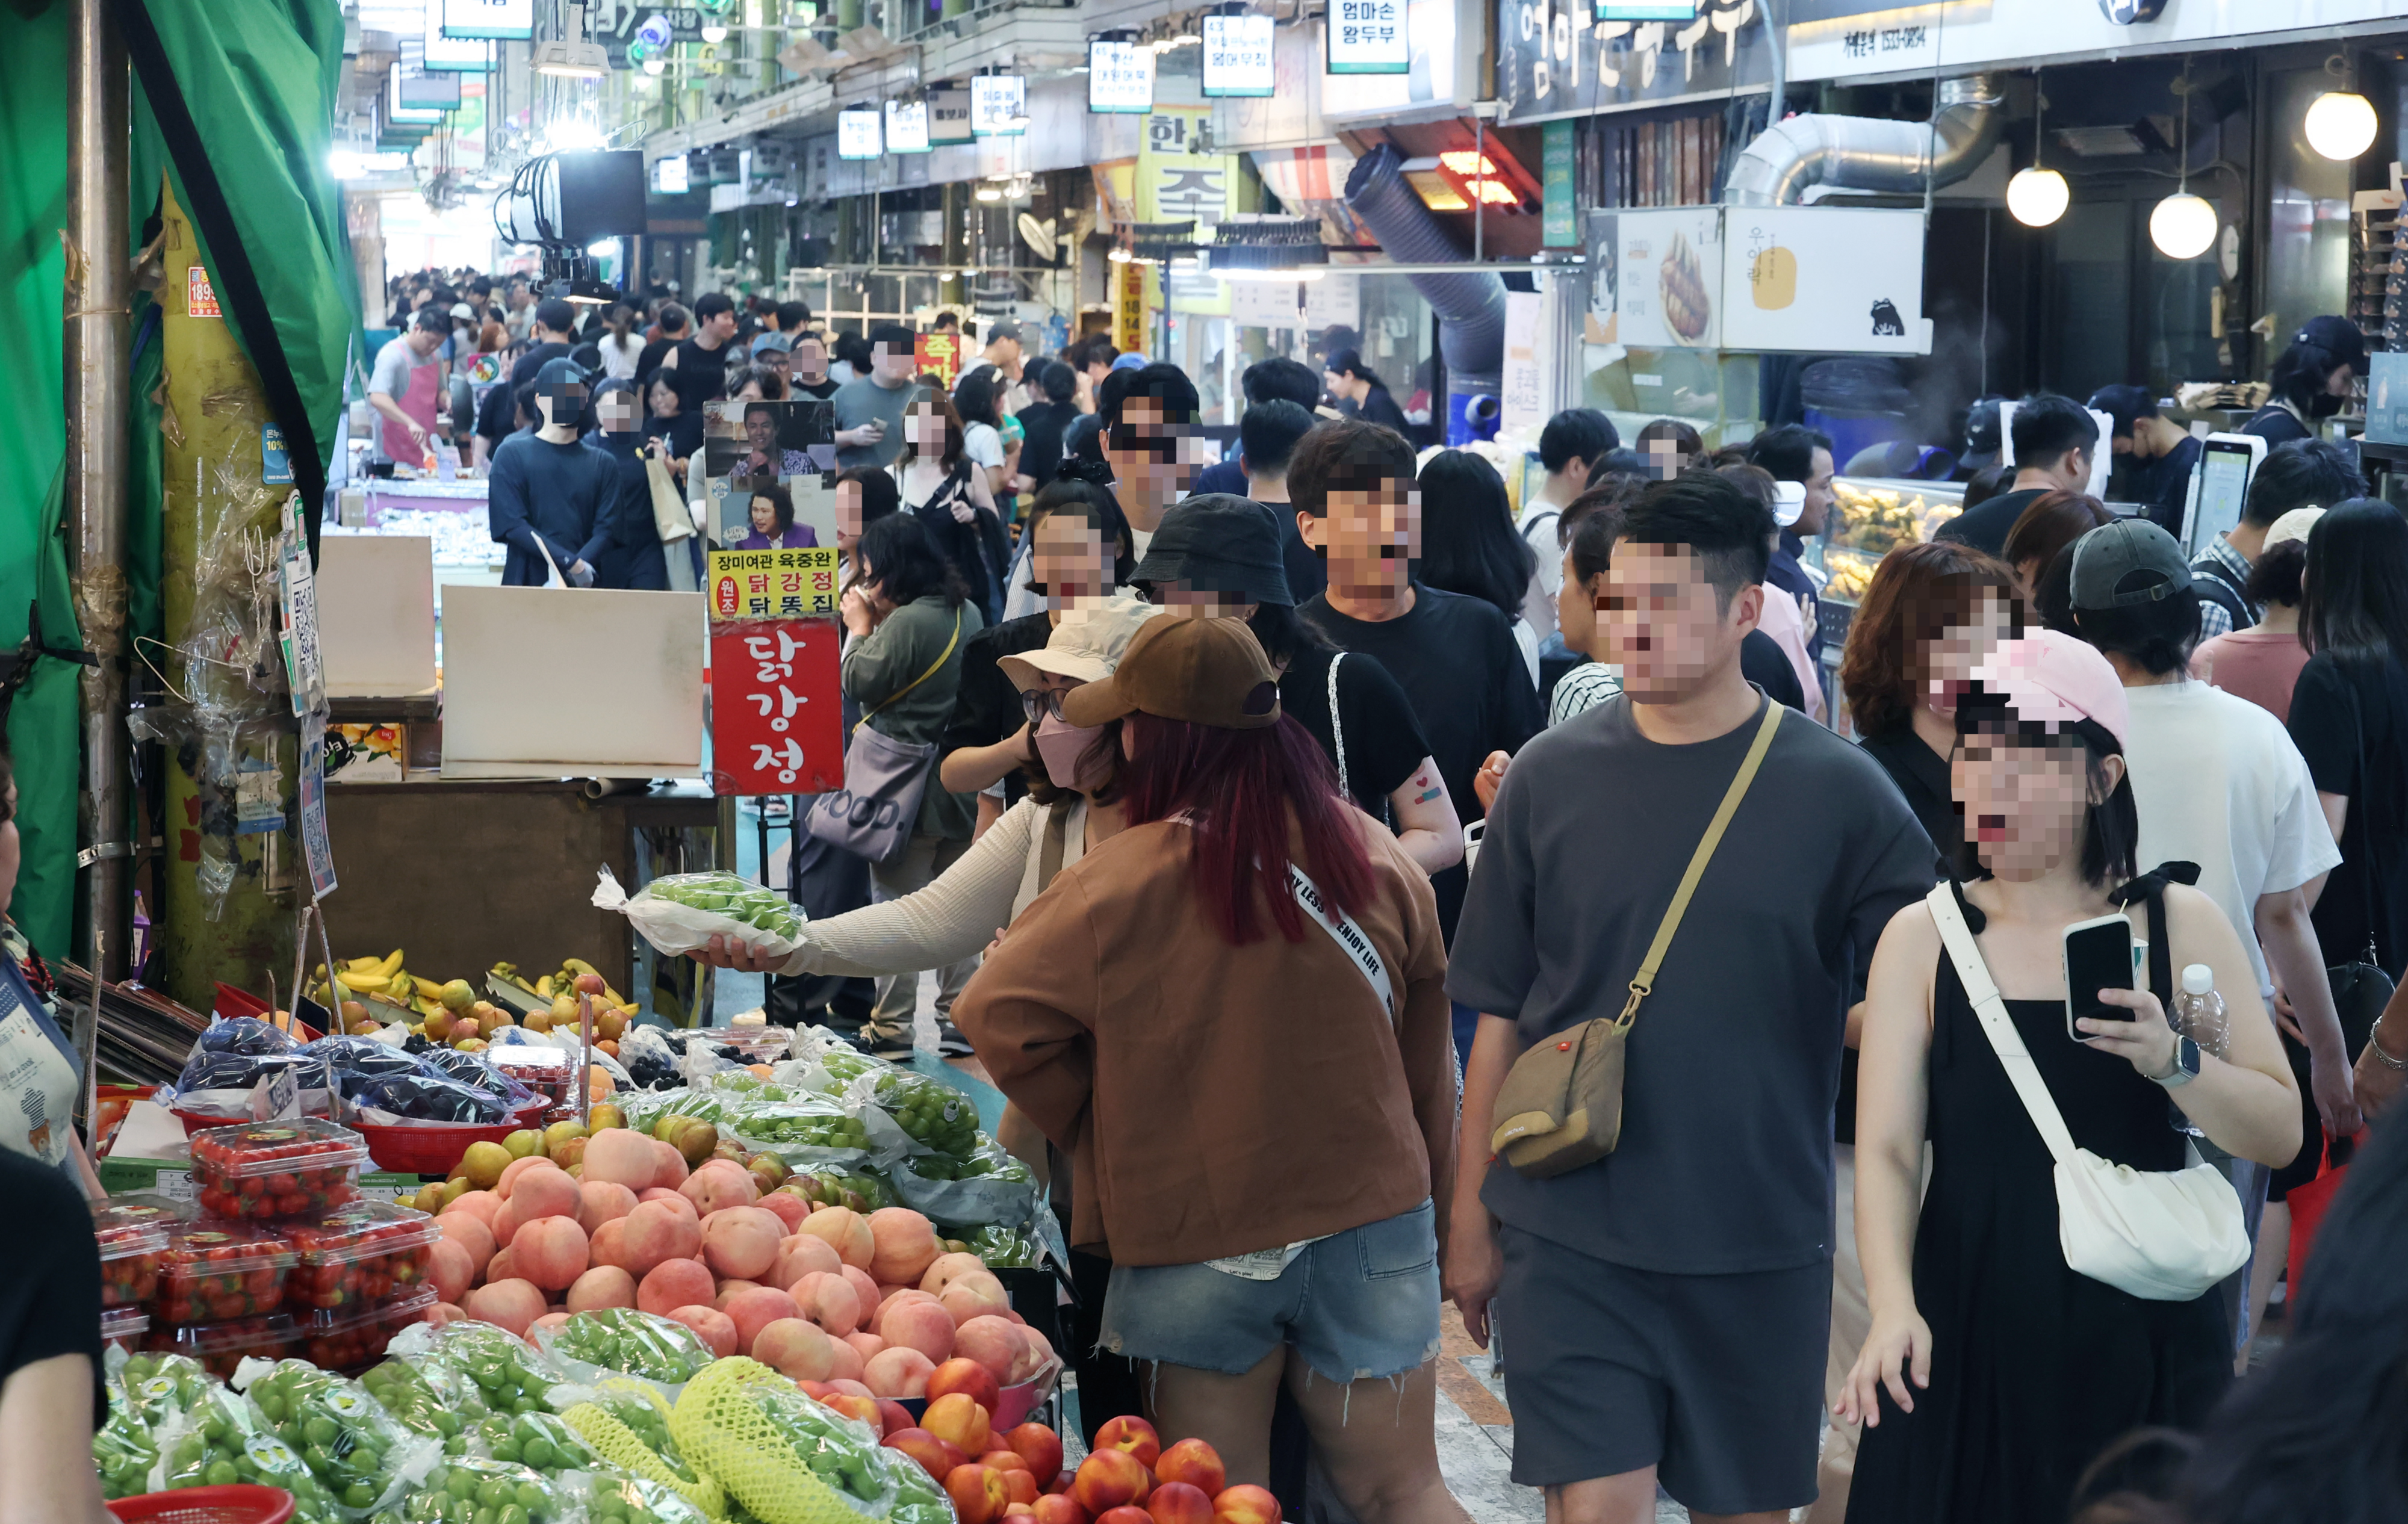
{"x": 629, "y": 1426}
{"x": 347, "y": 1440}
{"x": 266, "y": 1460}
{"x": 508, "y": 1376}
{"x": 203, "y": 1444}
{"x": 538, "y": 1441}
{"x": 936, "y": 1115}
{"x": 475, "y": 1491}
{"x": 681, "y": 912}
{"x": 427, "y": 1399}
{"x": 918, "y": 1498}
{"x": 354, "y": 1063}
{"x": 623, "y": 1339}
{"x": 1002, "y": 1246}
{"x": 780, "y": 1455}
{"x": 124, "y": 1450}
{"x": 633, "y": 1500}
{"x": 474, "y": 1072}
{"x": 162, "y": 1386}
{"x": 432, "y": 1098}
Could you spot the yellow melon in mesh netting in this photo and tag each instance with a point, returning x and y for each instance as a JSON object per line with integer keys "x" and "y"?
{"x": 624, "y": 1448}
{"x": 726, "y": 1437}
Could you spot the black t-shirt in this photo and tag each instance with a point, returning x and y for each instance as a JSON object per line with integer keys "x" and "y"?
{"x": 986, "y": 706}
{"x": 2277, "y": 425}
{"x": 1763, "y": 662}
{"x": 1042, "y": 426}
{"x": 650, "y": 361}
{"x": 2162, "y": 485}
{"x": 1922, "y": 776}
{"x": 497, "y": 419}
{"x": 49, "y": 1298}
{"x": 1306, "y": 574}
{"x": 2349, "y": 719}
{"x": 701, "y": 374}
{"x": 683, "y": 431}
{"x": 1984, "y": 526}
{"x": 1384, "y": 740}
{"x": 1459, "y": 666}
{"x": 1379, "y": 406}
{"x": 819, "y": 391}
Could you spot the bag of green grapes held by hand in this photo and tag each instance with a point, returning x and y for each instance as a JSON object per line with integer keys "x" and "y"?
{"x": 680, "y": 912}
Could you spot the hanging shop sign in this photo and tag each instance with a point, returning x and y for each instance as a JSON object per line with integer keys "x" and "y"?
{"x": 1119, "y": 77}
{"x": 1128, "y": 307}
{"x": 394, "y": 109}
{"x": 907, "y": 126}
{"x": 1559, "y": 221}
{"x": 1556, "y": 58}
{"x": 419, "y": 89}
{"x": 949, "y": 114}
{"x": 1819, "y": 279}
{"x": 999, "y": 105}
{"x": 1179, "y": 180}
{"x": 1648, "y": 10}
{"x": 857, "y": 134}
{"x": 1842, "y": 39}
{"x": 1238, "y": 56}
{"x": 777, "y": 722}
{"x": 496, "y": 21}
{"x": 1367, "y": 37}
{"x": 459, "y": 55}
{"x": 938, "y": 354}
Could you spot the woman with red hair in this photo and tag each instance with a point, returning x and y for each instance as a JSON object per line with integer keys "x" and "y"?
{"x": 1232, "y": 1016}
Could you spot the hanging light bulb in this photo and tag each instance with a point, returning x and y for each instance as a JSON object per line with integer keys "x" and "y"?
{"x": 2038, "y": 196}
{"x": 656, "y": 65}
{"x": 714, "y": 30}
{"x": 2340, "y": 124}
{"x": 2183, "y": 226}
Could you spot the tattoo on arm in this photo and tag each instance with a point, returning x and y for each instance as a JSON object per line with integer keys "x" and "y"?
{"x": 1429, "y": 790}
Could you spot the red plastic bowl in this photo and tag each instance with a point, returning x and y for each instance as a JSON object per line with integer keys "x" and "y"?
{"x": 240, "y": 1503}
{"x": 436, "y": 1147}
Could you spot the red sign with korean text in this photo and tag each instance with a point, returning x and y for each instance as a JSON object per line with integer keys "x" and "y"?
{"x": 777, "y": 722}
{"x": 940, "y": 353}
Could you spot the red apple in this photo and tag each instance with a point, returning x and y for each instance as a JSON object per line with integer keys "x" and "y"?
{"x": 965, "y": 1375}
{"x": 1042, "y": 1447}
{"x": 955, "y": 1416}
{"x": 979, "y": 1493}
{"x": 1179, "y": 1503}
{"x": 1109, "y": 1479}
{"x": 1058, "y": 1508}
{"x": 1245, "y": 1503}
{"x": 936, "y": 1457}
{"x": 1131, "y": 1434}
{"x": 1195, "y": 1463}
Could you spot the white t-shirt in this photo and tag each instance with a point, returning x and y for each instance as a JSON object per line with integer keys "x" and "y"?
{"x": 982, "y": 443}
{"x": 1539, "y": 521}
{"x": 2219, "y": 783}
{"x": 619, "y": 355}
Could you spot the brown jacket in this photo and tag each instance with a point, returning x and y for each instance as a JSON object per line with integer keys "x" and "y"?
{"x": 1216, "y": 1099}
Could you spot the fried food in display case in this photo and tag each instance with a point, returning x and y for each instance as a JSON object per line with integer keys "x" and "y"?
{"x": 1870, "y": 517}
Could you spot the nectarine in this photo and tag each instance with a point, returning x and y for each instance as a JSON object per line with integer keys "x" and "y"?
{"x": 1195, "y": 1463}
{"x": 979, "y": 1493}
{"x": 1109, "y": 1479}
{"x": 1179, "y": 1503}
{"x": 1245, "y": 1503}
{"x": 969, "y": 1377}
{"x": 957, "y": 1417}
{"x": 1130, "y": 1433}
{"x": 936, "y": 1456}
{"x": 1042, "y": 1447}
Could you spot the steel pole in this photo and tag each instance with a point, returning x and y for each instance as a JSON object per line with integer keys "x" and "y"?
{"x": 98, "y": 364}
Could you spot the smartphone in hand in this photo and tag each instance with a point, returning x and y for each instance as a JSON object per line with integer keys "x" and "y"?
{"x": 2098, "y": 956}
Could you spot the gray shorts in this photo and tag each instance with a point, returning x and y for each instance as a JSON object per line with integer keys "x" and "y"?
{"x": 1359, "y": 1305}
{"x": 1714, "y": 1380}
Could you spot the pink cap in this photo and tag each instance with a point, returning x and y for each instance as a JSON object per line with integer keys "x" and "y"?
{"x": 2053, "y": 680}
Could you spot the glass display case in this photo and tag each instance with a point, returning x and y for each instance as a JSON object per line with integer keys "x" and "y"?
{"x": 1870, "y": 517}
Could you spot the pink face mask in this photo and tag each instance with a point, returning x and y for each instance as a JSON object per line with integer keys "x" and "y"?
{"x": 1061, "y": 746}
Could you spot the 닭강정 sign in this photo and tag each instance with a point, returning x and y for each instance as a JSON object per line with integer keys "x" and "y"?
{"x": 857, "y": 134}
{"x": 772, "y": 584}
{"x": 1368, "y": 37}
{"x": 907, "y": 126}
{"x": 1120, "y": 76}
{"x": 1238, "y": 56}
{"x": 777, "y": 722}
{"x": 999, "y": 105}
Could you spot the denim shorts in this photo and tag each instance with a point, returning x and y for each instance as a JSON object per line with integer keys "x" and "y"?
{"x": 1359, "y": 1305}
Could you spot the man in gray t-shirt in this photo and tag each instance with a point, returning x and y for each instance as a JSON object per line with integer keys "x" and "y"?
{"x": 870, "y": 409}
{"x": 1669, "y": 1304}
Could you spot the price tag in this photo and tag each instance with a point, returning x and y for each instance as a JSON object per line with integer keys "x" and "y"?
{"x": 278, "y": 1097}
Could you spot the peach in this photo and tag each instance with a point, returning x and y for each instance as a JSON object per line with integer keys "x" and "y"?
{"x": 549, "y": 1251}
{"x": 506, "y": 1224}
{"x": 445, "y": 1312}
{"x": 867, "y": 1346}
{"x": 508, "y": 1184}
{"x": 860, "y": 1410}
{"x": 619, "y": 1156}
{"x": 791, "y": 1210}
{"x": 670, "y": 1167}
{"x": 608, "y": 1243}
{"x": 550, "y": 1320}
{"x": 995, "y": 1344}
{"x": 846, "y": 1363}
{"x": 756, "y": 1309}
{"x": 1036, "y": 1354}
{"x": 728, "y": 1287}
{"x": 944, "y": 1268}
{"x": 844, "y": 1387}
{"x": 604, "y": 1286}
{"x": 828, "y": 1300}
{"x": 974, "y": 1295}
{"x": 893, "y": 1417}
{"x": 796, "y": 1349}
{"x": 602, "y": 1200}
{"x": 847, "y": 1232}
{"x": 713, "y": 1327}
{"x": 864, "y": 1288}
{"x": 903, "y": 1246}
{"x": 799, "y": 1254}
{"x": 655, "y": 1233}
{"x": 480, "y": 1205}
{"x": 718, "y": 1185}
{"x": 512, "y": 1304}
{"x": 919, "y": 1326}
{"x": 499, "y": 1267}
{"x": 449, "y": 1269}
{"x": 897, "y": 1373}
{"x": 742, "y": 1241}
{"x": 674, "y": 1198}
{"x": 546, "y": 1193}
{"x": 900, "y": 1299}
{"x": 673, "y": 1284}
{"x": 957, "y": 1417}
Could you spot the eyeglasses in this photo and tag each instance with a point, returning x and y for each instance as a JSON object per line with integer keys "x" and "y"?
{"x": 1039, "y": 702}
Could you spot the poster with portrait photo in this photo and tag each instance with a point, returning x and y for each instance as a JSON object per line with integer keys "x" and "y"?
{"x": 768, "y": 469}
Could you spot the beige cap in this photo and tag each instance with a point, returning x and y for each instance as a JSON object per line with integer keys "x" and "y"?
{"x": 2293, "y": 525}
{"x": 1206, "y": 671}
{"x": 1086, "y": 644}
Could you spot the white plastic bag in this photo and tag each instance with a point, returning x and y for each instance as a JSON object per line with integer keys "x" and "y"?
{"x": 677, "y": 916}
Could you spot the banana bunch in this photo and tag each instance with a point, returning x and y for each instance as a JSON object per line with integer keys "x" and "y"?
{"x": 382, "y": 981}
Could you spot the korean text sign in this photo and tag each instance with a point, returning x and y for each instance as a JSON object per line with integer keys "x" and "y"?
{"x": 776, "y": 713}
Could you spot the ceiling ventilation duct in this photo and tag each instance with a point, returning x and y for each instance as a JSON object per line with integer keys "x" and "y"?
{"x": 1871, "y": 153}
{"x": 1472, "y": 304}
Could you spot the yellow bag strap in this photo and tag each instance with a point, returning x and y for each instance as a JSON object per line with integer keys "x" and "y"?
{"x": 943, "y": 657}
{"x": 1645, "y": 981}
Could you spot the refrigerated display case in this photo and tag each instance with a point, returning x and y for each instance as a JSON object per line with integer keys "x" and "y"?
{"x": 1870, "y": 517}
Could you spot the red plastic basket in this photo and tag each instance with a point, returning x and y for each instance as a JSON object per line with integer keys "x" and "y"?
{"x": 239, "y": 1504}
{"x": 436, "y": 1147}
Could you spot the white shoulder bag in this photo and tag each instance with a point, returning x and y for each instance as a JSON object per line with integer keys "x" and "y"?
{"x": 2162, "y": 1237}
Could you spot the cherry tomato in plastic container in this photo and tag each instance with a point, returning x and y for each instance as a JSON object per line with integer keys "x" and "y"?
{"x": 219, "y": 1348}
{"x": 352, "y": 1340}
{"x": 123, "y": 1326}
{"x": 215, "y": 1270}
{"x": 133, "y": 1233}
{"x": 296, "y": 1167}
{"x": 359, "y": 1252}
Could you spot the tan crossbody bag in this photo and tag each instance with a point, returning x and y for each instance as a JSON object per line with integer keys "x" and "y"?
{"x": 1560, "y": 1107}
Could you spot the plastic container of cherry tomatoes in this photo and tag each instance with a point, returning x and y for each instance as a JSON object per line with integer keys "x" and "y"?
{"x": 289, "y": 1168}
{"x": 220, "y": 1347}
{"x": 123, "y": 1326}
{"x": 359, "y": 1252}
{"x": 213, "y": 1271}
{"x": 351, "y": 1339}
{"x": 133, "y": 1233}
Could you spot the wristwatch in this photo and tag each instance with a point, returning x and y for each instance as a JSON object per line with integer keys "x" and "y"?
{"x": 2186, "y": 1067}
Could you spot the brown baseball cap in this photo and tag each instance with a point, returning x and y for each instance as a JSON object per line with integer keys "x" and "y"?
{"x": 1205, "y": 672}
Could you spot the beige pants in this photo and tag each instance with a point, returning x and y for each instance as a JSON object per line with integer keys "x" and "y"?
{"x": 898, "y": 994}
{"x": 1851, "y": 1322}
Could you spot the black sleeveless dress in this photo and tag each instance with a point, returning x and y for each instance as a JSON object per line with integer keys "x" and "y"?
{"x": 2034, "y": 1370}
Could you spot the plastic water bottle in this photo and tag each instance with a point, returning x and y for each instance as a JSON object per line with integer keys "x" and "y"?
{"x": 2199, "y": 1010}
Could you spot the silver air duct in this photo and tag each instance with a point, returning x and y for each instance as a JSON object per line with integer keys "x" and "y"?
{"x": 1868, "y": 153}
